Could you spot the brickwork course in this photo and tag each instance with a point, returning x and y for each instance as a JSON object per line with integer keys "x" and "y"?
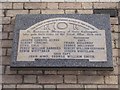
{"x": 59, "y": 79}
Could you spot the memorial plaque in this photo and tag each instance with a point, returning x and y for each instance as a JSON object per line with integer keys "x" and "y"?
{"x": 62, "y": 41}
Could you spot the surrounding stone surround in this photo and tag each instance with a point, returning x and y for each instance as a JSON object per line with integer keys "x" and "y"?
{"x": 59, "y": 79}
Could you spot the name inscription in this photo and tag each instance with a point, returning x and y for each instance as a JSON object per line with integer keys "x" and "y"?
{"x": 62, "y": 39}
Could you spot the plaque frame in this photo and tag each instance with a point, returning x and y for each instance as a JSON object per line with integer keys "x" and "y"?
{"x": 23, "y": 22}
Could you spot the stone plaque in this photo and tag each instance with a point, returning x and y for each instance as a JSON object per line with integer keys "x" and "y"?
{"x": 66, "y": 41}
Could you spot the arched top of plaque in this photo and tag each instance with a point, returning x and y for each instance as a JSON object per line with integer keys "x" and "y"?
{"x": 61, "y": 24}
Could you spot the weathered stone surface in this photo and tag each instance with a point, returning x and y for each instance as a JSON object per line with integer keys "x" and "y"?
{"x": 6, "y": 60}
{"x": 30, "y": 79}
{"x": 85, "y": 11}
{"x": 7, "y": 28}
{"x": 70, "y": 79}
{"x": 8, "y": 79}
{"x": 7, "y": 43}
{"x": 70, "y": 5}
{"x": 6, "y": 5}
{"x": 6, "y": 20}
{"x": 105, "y": 5}
{"x": 50, "y": 79}
{"x": 52, "y": 5}
{"x": 13, "y": 13}
{"x": 52, "y": 11}
{"x": 35, "y": 5}
{"x": 111, "y": 79}
{"x": 17, "y": 5}
{"x": 87, "y": 5}
{"x": 28, "y": 86}
{"x": 91, "y": 79}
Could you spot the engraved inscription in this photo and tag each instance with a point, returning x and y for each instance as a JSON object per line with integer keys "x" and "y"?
{"x": 62, "y": 38}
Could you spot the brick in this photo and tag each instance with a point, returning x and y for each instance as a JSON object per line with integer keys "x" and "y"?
{"x": 114, "y": 20}
{"x": 17, "y": 0}
{"x": 1, "y": 26}
{"x": 4, "y": 50}
{"x": 46, "y": 87}
{"x": 87, "y": 5}
{"x": 115, "y": 36}
{"x": 70, "y": 5}
{"x": 5, "y": 60}
{"x": 0, "y": 21}
{"x": 10, "y": 35}
{"x": 52, "y": 5}
{"x": 13, "y": 13}
{"x": 29, "y": 72}
{"x": 52, "y": 0}
{"x": 9, "y": 51}
{"x": 8, "y": 28}
{"x": 6, "y": 43}
{"x": 4, "y": 35}
{"x": 108, "y": 86}
{"x": 28, "y": 86}
{"x": 70, "y": 79}
{"x": 118, "y": 28}
{"x": 17, "y": 5}
{"x": 119, "y": 19}
{"x": 90, "y": 89}
{"x": 34, "y": 11}
{"x": 29, "y": 79}
{"x": 52, "y": 11}
{"x": 0, "y": 6}
{"x": 119, "y": 13}
{"x": 2, "y": 13}
{"x": 115, "y": 61}
{"x": 9, "y": 86}
{"x": 70, "y": 1}
{"x": 105, "y": 5}
{"x": 85, "y": 11}
{"x": 117, "y": 42}
{"x": 6, "y": 20}
{"x": 94, "y": 87}
{"x": 0, "y": 53}
{"x": 119, "y": 70}
{"x": 35, "y": 5}
{"x": 12, "y": 20}
{"x": 50, "y": 72}
{"x": 3, "y": 70}
{"x": 114, "y": 28}
{"x": 111, "y": 79}
{"x": 69, "y": 86}
{"x": 115, "y": 52}
{"x": 87, "y": 1}
{"x": 11, "y": 79}
{"x": 105, "y": 0}
{"x": 118, "y": 58}
{"x": 8, "y": 71}
{"x": 34, "y": 0}
{"x": 113, "y": 44}
{"x": 68, "y": 72}
{"x": 7, "y": 5}
{"x": 91, "y": 79}
{"x": 111, "y": 12}
{"x": 50, "y": 79}
{"x": 70, "y": 11}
